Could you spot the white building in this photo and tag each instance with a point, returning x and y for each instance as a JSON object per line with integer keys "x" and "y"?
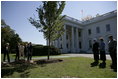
{"x": 79, "y": 35}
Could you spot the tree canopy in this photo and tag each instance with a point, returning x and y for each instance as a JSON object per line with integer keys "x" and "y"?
{"x": 8, "y": 35}
{"x": 50, "y": 20}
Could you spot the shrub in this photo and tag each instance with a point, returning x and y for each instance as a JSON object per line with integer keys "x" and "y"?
{"x": 39, "y": 50}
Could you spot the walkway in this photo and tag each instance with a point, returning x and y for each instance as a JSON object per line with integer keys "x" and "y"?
{"x": 72, "y": 55}
{"x": 66, "y": 56}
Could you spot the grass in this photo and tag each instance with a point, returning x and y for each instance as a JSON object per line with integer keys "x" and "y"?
{"x": 12, "y": 56}
{"x": 77, "y": 67}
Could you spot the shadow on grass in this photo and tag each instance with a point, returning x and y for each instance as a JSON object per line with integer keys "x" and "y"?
{"x": 102, "y": 65}
{"x": 93, "y": 64}
{"x": 44, "y": 61}
{"x": 19, "y": 66}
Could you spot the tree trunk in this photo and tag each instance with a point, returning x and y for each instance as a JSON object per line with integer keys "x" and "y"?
{"x": 49, "y": 46}
{"x": 49, "y": 50}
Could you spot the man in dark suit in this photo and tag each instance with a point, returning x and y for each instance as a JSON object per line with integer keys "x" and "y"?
{"x": 26, "y": 50}
{"x": 29, "y": 51}
{"x": 17, "y": 52}
{"x": 102, "y": 51}
{"x": 113, "y": 52}
{"x": 6, "y": 52}
{"x": 95, "y": 50}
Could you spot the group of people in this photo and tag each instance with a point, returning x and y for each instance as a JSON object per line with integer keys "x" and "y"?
{"x": 21, "y": 51}
{"x": 99, "y": 48}
{"x": 24, "y": 51}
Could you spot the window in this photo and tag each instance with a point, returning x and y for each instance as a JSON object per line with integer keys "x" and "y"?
{"x": 97, "y": 30}
{"x": 107, "y": 27}
{"x": 61, "y": 38}
{"x": 61, "y": 47}
{"x": 79, "y": 34}
{"x": 67, "y": 37}
{"x": 80, "y": 45}
{"x": 90, "y": 44}
{"x": 67, "y": 45}
{"x": 89, "y": 31}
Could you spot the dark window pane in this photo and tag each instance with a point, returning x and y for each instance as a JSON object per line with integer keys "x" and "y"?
{"x": 67, "y": 45}
{"x": 80, "y": 45}
{"x": 97, "y": 30}
{"x": 108, "y": 27}
{"x": 61, "y": 38}
{"x": 89, "y": 31}
{"x": 67, "y": 37}
{"x": 61, "y": 46}
{"x": 79, "y": 34}
{"x": 90, "y": 44}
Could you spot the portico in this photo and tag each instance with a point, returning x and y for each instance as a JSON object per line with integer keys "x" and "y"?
{"x": 70, "y": 41}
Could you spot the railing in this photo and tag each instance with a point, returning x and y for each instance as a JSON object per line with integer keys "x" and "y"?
{"x": 73, "y": 19}
{"x": 94, "y": 18}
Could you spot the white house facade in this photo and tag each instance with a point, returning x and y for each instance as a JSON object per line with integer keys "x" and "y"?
{"x": 78, "y": 36}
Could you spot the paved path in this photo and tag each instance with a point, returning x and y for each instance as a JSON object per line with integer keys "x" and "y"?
{"x": 73, "y": 55}
{"x": 68, "y": 55}
{"x": 86, "y": 55}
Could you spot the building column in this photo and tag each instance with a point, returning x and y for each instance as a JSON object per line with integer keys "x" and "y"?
{"x": 72, "y": 49}
{"x": 64, "y": 41}
{"x": 77, "y": 41}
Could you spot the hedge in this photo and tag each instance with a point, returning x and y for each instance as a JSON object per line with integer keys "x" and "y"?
{"x": 39, "y": 50}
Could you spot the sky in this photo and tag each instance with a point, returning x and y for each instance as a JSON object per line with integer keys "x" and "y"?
{"x": 16, "y": 14}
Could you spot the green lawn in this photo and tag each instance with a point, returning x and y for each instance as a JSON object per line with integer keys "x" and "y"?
{"x": 77, "y": 67}
{"x": 12, "y": 56}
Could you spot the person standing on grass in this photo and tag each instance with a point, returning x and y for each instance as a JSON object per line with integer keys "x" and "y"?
{"x": 29, "y": 51}
{"x": 17, "y": 52}
{"x": 6, "y": 52}
{"x": 25, "y": 50}
{"x": 19, "y": 48}
{"x": 113, "y": 52}
{"x": 95, "y": 50}
{"x": 22, "y": 51}
{"x": 102, "y": 51}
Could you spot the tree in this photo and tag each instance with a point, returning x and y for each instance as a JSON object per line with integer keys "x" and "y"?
{"x": 50, "y": 21}
{"x": 3, "y": 22}
{"x": 14, "y": 40}
{"x": 8, "y": 35}
{"x": 97, "y": 14}
{"x": 88, "y": 17}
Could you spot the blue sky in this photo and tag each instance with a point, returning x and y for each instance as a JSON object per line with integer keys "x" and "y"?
{"x": 16, "y": 14}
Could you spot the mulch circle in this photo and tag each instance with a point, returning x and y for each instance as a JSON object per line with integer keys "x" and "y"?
{"x": 45, "y": 61}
